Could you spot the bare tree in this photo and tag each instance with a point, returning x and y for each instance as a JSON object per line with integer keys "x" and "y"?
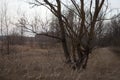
{"x": 20, "y": 25}
{"x": 5, "y": 21}
{"x": 1, "y": 29}
{"x": 81, "y": 34}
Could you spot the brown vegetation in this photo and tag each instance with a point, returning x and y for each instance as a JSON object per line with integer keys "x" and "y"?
{"x": 48, "y": 64}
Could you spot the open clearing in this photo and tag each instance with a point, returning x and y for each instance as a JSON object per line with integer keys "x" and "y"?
{"x": 48, "y": 64}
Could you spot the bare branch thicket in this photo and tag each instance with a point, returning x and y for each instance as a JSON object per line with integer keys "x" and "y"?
{"x": 112, "y": 32}
{"x": 5, "y": 29}
{"x": 1, "y": 29}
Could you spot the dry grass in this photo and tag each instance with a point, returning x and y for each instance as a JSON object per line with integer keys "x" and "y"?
{"x": 116, "y": 50}
{"x": 48, "y": 64}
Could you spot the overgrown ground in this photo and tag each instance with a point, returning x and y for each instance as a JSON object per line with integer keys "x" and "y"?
{"x": 48, "y": 64}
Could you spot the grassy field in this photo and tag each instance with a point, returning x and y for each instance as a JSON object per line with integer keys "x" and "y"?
{"x": 48, "y": 64}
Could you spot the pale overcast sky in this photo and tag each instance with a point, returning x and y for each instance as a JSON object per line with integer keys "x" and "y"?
{"x": 18, "y": 7}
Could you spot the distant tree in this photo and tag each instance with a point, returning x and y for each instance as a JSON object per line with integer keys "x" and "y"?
{"x": 5, "y": 22}
{"x": 21, "y": 26}
{"x": 112, "y": 36}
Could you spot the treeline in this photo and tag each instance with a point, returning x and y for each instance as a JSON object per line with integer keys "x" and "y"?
{"x": 111, "y": 33}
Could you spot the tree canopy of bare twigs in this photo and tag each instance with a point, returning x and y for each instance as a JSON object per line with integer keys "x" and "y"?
{"x": 78, "y": 27}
